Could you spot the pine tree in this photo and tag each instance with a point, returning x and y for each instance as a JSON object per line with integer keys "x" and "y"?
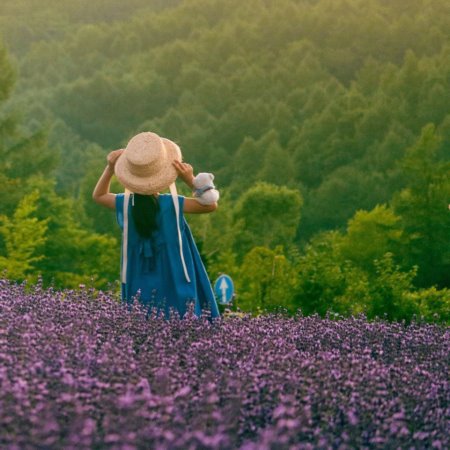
{"x": 423, "y": 207}
{"x": 21, "y": 154}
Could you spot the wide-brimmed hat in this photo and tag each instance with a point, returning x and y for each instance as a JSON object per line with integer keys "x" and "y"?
{"x": 145, "y": 167}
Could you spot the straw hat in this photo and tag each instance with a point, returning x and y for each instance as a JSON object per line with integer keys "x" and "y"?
{"x": 145, "y": 167}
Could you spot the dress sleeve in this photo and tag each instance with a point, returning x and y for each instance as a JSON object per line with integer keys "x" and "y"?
{"x": 119, "y": 209}
{"x": 166, "y": 204}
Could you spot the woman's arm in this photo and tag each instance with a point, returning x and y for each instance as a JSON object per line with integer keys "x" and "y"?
{"x": 101, "y": 194}
{"x": 191, "y": 205}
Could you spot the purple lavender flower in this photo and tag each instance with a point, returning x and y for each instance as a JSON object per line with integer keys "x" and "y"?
{"x": 78, "y": 370}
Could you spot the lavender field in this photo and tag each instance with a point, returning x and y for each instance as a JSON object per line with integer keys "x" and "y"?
{"x": 79, "y": 371}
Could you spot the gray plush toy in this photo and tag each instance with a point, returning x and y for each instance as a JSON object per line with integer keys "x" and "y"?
{"x": 205, "y": 192}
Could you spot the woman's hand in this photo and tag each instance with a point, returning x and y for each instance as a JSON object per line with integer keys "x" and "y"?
{"x": 113, "y": 157}
{"x": 101, "y": 192}
{"x": 185, "y": 172}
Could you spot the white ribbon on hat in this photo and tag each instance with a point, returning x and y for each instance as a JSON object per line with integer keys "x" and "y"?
{"x": 174, "y": 193}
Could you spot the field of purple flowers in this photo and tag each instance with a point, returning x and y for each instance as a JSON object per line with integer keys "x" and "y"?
{"x": 80, "y": 371}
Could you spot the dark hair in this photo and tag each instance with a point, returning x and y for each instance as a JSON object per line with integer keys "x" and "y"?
{"x": 145, "y": 209}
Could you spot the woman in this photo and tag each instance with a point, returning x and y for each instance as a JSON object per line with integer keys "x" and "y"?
{"x": 160, "y": 262}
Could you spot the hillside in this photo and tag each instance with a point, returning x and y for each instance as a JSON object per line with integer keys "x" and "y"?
{"x": 325, "y": 122}
{"x": 321, "y": 95}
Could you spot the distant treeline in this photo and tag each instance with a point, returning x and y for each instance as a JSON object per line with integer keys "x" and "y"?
{"x": 325, "y": 122}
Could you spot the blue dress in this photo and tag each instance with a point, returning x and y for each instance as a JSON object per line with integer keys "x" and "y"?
{"x": 154, "y": 265}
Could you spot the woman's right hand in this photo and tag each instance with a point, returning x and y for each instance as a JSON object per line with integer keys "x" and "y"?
{"x": 185, "y": 172}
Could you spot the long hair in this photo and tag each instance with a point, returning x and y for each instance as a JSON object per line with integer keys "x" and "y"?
{"x": 145, "y": 211}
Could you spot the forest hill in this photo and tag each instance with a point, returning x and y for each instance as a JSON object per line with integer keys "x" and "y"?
{"x": 350, "y": 130}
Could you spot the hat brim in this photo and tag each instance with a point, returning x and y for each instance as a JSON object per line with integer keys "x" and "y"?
{"x": 150, "y": 185}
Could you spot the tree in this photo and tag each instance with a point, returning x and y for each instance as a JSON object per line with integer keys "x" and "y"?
{"x": 370, "y": 235}
{"x": 215, "y": 233}
{"x": 277, "y": 164}
{"x": 73, "y": 255}
{"x": 333, "y": 203}
{"x": 266, "y": 281}
{"x": 24, "y": 236}
{"x": 7, "y": 76}
{"x": 92, "y": 216}
{"x": 389, "y": 291}
{"x": 22, "y": 154}
{"x": 423, "y": 208}
{"x": 323, "y": 277}
{"x": 266, "y": 215}
{"x": 247, "y": 156}
{"x": 329, "y": 282}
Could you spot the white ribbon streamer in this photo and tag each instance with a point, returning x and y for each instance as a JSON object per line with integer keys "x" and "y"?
{"x": 173, "y": 191}
{"x": 126, "y": 200}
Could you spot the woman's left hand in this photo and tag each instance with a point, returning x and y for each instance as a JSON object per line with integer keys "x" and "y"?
{"x": 113, "y": 157}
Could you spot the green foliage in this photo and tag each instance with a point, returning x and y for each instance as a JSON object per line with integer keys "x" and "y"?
{"x": 22, "y": 154}
{"x": 23, "y": 235}
{"x": 370, "y": 235}
{"x": 266, "y": 215}
{"x": 323, "y": 277}
{"x": 215, "y": 233}
{"x": 7, "y": 75}
{"x": 326, "y": 281}
{"x": 230, "y": 80}
{"x": 74, "y": 255}
{"x": 423, "y": 207}
{"x": 98, "y": 220}
{"x": 295, "y": 116}
{"x": 266, "y": 280}
{"x": 434, "y": 304}
{"x": 389, "y": 291}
